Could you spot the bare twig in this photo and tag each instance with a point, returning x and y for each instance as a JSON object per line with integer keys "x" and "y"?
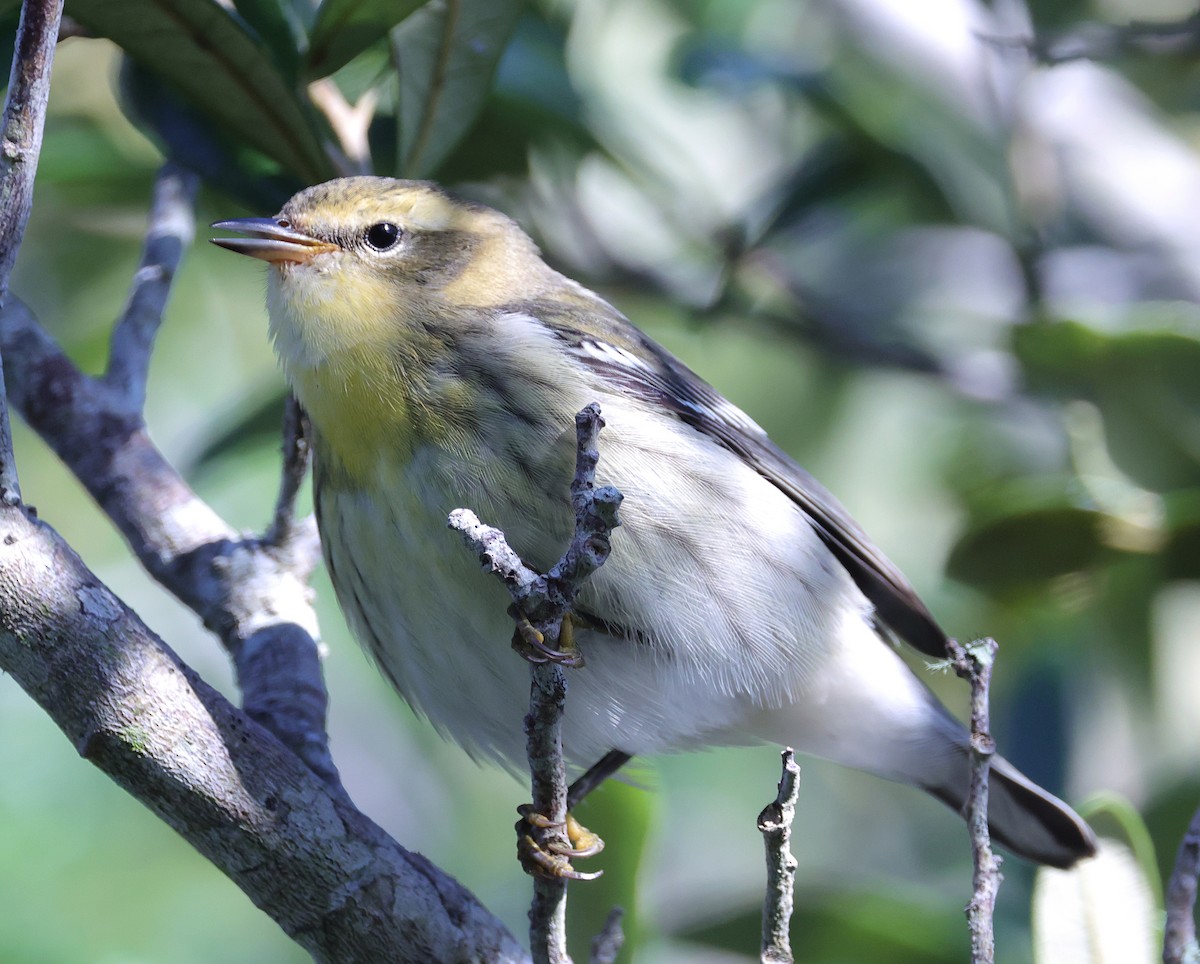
{"x": 296, "y": 452}
{"x": 20, "y": 143}
{"x": 24, "y": 119}
{"x": 974, "y": 663}
{"x": 168, "y": 234}
{"x": 607, "y": 944}
{"x": 1179, "y": 939}
{"x": 775, "y": 823}
{"x": 548, "y": 783}
{"x": 1105, "y": 41}
{"x": 545, "y": 600}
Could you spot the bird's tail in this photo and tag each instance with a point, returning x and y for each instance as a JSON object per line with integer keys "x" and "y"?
{"x": 1021, "y": 815}
{"x": 867, "y": 710}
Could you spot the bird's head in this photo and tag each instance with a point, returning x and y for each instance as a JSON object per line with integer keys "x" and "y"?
{"x": 361, "y": 262}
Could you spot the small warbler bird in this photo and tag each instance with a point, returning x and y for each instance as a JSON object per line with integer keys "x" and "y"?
{"x": 441, "y": 362}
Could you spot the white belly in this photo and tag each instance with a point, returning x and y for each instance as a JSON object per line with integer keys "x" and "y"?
{"x": 718, "y": 634}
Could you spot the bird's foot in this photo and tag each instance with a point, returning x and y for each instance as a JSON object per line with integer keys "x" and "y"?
{"x": 531, "y": 644}
{"x": 541, "y": 850}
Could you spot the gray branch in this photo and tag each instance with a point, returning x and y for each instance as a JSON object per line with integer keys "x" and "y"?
{"x": 20, "y": 144}
{"x": 1179, "y": 939}
{"x": 607, "y": 944}
{"x": 974, "y": 663}
{"x": 775, "y": 824}
{"x": 326, "y": 874}
{"x": 168, "y": 235}
{"x": 545, "y": 600}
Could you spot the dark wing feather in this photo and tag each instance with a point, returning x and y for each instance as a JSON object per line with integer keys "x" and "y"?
{"x": 642, "y": 368}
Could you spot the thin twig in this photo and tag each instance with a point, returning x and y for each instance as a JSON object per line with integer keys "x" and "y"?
{"x": 168, "y": 234}
{"x": 607, "y": 944}
{"x": 775, "y": 823}
{"x": 1106, "y": 41}
{"x": 24, "y": 119}
{"x": 1179, "y": 940}
{"x": 296, "y": 454}
{"x": 20, "y": 144}
{"x": 548, "y": 790}
{"x": 545, "y": 600}
{"x": 974, "y": 663}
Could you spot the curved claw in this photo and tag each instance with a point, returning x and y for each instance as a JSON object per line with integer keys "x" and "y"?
{"x": 583, "y": 843}
{"x": 541, "y": 863}
{"x": 551, "y": 858}
{"x": 531, "y": 644}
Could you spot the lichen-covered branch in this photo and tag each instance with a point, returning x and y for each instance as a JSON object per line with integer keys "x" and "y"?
{"x": 168, "y": 234}
{"x": 1179, "y": 938}
{"x": 20, "y": 143}
{"x": 332, "y": 879}
{"x": 607, "y": 944}
{"x": 974, "y": 663}
{"x": 775, "y": 824}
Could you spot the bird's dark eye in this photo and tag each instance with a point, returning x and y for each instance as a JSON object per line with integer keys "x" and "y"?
{"x": 383, "y": 235}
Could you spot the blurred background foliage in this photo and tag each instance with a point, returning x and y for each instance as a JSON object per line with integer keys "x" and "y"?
{"x": 957, "y": 280}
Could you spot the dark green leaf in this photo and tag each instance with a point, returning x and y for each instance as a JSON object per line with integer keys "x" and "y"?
{"x": 532, "y": 102}
{"x": 445, "y": 55}
{"x": 1030, "y": 533}
{"x": 1145, "y": 381}
{"x": 614, "y": 810}
{"x": 1149, "y": 392}
{"x": 10, "y": 15}
{"x": 184, "y": 136}
{"x": 279, "y": 28}
{"x": 1181, "y": 553}
{"x": 850, "y": 926}
{"x": 345, "y": 28}
{"x": 1058, "y": 357}
{"x": 204, "y": 53}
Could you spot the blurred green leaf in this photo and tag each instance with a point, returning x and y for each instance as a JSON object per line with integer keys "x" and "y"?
{"x": 185, "y": 136}
{"x": 533, "y": 103}
{"x": 445, "y": 56}
{"x": 1029, "y": 532}
{"x": 850, "y": 926}
{"x": 202, "y": 51}
{"x": 1112, "y": 815}
{"x": 279, "y": 28}
{"x": 369, "y": 70}
{"x": 622, "y": 814}
{"x": 1058, "y": 357}
{"x": 1146, "y": 383}
{"x": 1181, "y": 553}
{"x": 345, "y": 28}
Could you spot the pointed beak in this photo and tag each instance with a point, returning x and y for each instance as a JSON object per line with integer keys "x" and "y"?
{"x": 271, "y": 241}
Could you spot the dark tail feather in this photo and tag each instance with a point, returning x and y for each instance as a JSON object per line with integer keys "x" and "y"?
{"x": 1025, "y": 818}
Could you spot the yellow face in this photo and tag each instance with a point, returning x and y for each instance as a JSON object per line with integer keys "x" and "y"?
{"x": 370, "y": 278}
{"x": 354, "y": 258}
